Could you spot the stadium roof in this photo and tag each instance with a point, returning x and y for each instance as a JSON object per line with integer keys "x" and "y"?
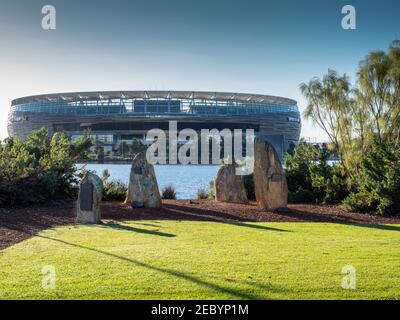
{"x": 110, "y": 95}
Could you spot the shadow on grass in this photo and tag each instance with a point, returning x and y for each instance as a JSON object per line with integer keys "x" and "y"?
{"x": 218, "y": 288}
{"x": 254, "y": 226}
{"x": 137, "y": 230}
{"x": 386, "y": 227}
{"x": 148, "y": 224}
{"x": 214, "y": 216}
{"x": 324, "y": 218}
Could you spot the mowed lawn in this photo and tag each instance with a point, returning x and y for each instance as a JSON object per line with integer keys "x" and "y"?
{"x": 205, "y": 260}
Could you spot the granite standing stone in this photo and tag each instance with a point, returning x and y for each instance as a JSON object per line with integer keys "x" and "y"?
{"x": 89, "y": 200}
{"x": 269, "y": 177}
{"x": 143, "y": 189}
{"x": 228, "y": 186}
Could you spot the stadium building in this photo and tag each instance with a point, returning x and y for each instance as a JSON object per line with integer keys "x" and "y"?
{"x": 113, "y": 117}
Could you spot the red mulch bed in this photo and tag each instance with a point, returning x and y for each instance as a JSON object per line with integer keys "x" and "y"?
{"x": 19, "y": 224}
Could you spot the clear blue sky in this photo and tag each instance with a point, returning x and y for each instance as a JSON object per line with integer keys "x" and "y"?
{"x": 264, "y": 46}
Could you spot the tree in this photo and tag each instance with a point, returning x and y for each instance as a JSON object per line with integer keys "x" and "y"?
{"x": 394, "y": 75}
{"x": 379, "y": 91}
{"x": 329, "y": 105}
{"x": 374, "y": 88}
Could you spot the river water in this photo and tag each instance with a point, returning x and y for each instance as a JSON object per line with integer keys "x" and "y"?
{"x": 186, "y": 179}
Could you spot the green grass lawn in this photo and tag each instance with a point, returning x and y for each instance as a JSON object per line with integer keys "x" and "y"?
{"x": 205, "y": 260}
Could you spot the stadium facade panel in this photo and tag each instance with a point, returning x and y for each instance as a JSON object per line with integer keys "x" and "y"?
{"x": 121, "y": 116}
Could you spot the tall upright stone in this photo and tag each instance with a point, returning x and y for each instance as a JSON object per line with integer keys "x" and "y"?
{"x": 228, "y": 186}
{"x": 89, "y": 199}
{"x": 269, "y": 177}
{"x": 143, "y": 189}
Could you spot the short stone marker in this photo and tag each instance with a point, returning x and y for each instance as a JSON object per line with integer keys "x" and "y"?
{"x": 269, "y": 177}
{"x": 89, "y": 200}
{"x": 228, "y": 186}
{"x": 143, "y": 189}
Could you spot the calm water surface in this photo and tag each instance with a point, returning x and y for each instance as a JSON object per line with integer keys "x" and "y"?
{"x": 186, "y": 179}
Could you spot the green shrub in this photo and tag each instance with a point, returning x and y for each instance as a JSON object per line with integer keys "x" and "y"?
{"x": 298, "y": 167}
{"x": 39, "y": 169}
{"x": 113, "y": 190}
{"x": 360, "y": 202}
{"x": 168, "y": 192}
{"x": 202, "y": 194}
{"x": 311, "y": 178}
{"x": 379, "y": 181}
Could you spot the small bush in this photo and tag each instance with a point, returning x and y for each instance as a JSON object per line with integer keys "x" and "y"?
{"x": 310, "y": 177}
{"x": 168, "y": 192}
{"x": 379, "y": 181}
{"x": 360, "y": 202}
{"x": 113, "y": 190}
{"x": 202, "y": 194}
{"x": 40, "y": 168}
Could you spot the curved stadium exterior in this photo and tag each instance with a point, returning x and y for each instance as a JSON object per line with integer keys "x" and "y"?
{"x": 122, "y": 116}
